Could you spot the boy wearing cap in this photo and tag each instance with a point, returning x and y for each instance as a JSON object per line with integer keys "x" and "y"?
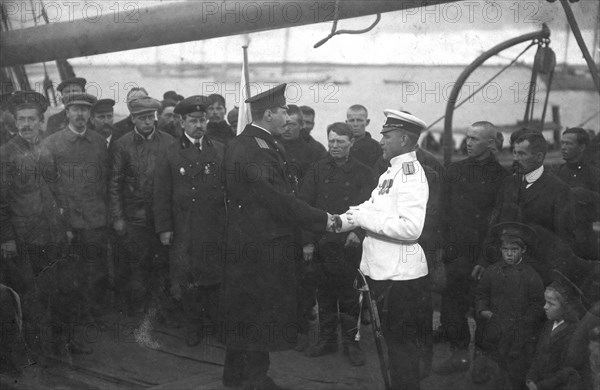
{"x": 563, "y": 309}
{"x": 264, "y": 216}
{"x": 126, "y": 125}
{"x": 59, "y": 120}
{"x": 189, "y": 205}
{"x": 78, "y": 159}
{"x": 508, "y": 306}
{"x": 143, "y": 261}
{"x": 392, "y": 260}
{"x": 217, "y": 127}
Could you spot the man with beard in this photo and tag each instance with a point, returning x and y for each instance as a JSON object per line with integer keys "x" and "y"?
{"x": 468, "y": 197}
{"x": 189, "y": 205}
{"x": 32, "y": 232}
{"x": 584, "y": 181}
{"x": 79, "y": 159}
{"x": 532, "y": 195}
{"x": 143, "y": 262}
{"x": 264, "y": 215}
{"x": 59, "y": 120}
{"x": 218, "y": 128}
{"x": 168, "y": 121}
{"x": 101, "y": 120}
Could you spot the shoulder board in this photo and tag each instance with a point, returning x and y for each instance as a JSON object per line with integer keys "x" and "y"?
{"x": 408, "y": 168}
{"x": 262, "y": 143}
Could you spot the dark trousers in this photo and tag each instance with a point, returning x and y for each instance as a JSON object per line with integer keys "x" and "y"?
{"x": 199, "y": 304}
{"x": 249, "y": 367}
{"x": 406, "y": 322}
{"x": 456, "y": 301}
{"x": 335, "y": 271}
{"x": 305, "y": 294}
{"x": 91, "y": 246}
{"x": 141, "y": 267}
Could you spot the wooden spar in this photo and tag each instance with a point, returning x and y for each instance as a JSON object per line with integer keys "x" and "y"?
{"x": 542, "y": 34}
{"x": 177, "y": 22}
{"x": 582, "y": 46}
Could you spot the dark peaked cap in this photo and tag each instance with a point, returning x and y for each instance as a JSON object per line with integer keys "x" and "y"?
{"x": 196, "y": 103}
{"x": 79, "y": 98}
{"x": 75, "y": 80}
{"x": 516, "y": 230}
{"x": 104, "y": 105}
{"x": 28, "y": 99}
{"x": 274, "y": 97}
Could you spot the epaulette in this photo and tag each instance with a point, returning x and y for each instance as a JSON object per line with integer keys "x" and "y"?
{"x": 408, "y": 168}
{"x": 262, "y": 143}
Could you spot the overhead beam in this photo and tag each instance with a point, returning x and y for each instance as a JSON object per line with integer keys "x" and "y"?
{"x": 178, "y": 22}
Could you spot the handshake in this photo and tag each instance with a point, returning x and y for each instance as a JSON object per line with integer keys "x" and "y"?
{"x": 334, "y": 223}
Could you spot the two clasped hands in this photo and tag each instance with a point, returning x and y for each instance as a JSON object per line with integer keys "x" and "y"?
{"x": 335, "y": 224}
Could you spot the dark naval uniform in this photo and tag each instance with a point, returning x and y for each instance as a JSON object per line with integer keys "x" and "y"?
{"x": 189, "y": 201}
{"x": 335, "y": 188}
{"x": 366, "y": 150}
{"x": 300, "y": 155}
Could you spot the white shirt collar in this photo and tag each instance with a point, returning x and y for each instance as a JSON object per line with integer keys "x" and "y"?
{"x": 75, "y": 131}
{"x": 193, "y": 140}
{"x": 534, "y": 175}
{"x": 262, "y": 128}
{"x": 557, "y": 324}
{"x": 406, "y": 157}
{"x": 108, "y": 140}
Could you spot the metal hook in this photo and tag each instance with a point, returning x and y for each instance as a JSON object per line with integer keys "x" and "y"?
{"x": 339, "y": 32}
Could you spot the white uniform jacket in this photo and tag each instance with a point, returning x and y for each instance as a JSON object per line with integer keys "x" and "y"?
{"x": 393, "y": 218}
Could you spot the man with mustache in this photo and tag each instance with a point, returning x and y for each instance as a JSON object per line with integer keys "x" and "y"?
{"x": 532, "y": 195}
{"x": 79, "y": 160}
{"x": 217, "y": 127}
{"x": 32, "y": 231}
{"x": 59, "y": 120}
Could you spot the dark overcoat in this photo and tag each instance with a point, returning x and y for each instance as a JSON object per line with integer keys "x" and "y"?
{"x": 259, "y": 295}
{"x": 189, "y": 201}
{"x": 28, "y": 210}
{"x": 78, "y": 170}
{"x": 132, "y": 182}
{"x": 469, "y": 191}
{"x": 548, "y": 369}
{"x": 366, "y": 150}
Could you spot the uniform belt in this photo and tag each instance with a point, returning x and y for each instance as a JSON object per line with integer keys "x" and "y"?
{"x": 393, "y": 240}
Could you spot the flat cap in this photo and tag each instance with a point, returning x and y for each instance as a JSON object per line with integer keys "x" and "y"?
{"x": 80, "y": 98}
{"x": 274, "y": 97}
{"x": 104, "y": 105}
{"x": 196, "y": 103}
{"x": 27, "y": 99}
{"x": 75, "y": 80}
{"x": 143, "y": 104}
{"x": 398, "y": 120}
{"x": 515, "y": 230}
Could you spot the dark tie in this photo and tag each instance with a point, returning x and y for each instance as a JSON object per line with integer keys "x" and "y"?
{"x": 197, "y": 144}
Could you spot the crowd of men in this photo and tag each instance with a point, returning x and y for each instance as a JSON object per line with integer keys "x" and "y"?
{"x": 170, "y": 211}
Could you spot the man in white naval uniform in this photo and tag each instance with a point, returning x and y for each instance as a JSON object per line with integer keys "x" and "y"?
{"x": 392, "y": 259}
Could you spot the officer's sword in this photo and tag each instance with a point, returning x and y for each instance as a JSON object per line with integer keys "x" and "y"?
{"x": 376, "y": 326}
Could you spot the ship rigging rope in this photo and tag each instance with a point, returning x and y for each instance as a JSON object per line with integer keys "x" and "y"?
{"x": 486, "y": 83}
{"x": 333, "y": 32}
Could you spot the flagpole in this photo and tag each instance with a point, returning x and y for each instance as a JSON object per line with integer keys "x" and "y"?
{"x": 244, "y": 115}
{"x": 246, "y": 71}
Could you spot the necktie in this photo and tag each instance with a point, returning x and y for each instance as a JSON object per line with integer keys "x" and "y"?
{"x": 197, "y": 144}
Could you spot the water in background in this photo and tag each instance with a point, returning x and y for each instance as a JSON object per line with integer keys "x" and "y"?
{"x": 422, "y": 90}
